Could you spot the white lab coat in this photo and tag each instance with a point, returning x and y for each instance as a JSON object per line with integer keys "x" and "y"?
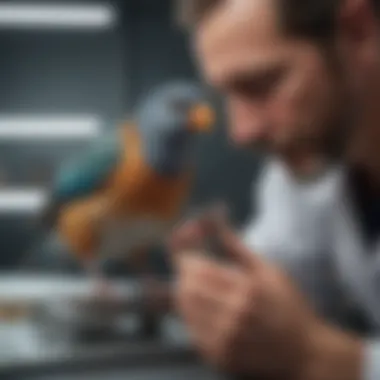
{"x": 309, "y": 229}
{"x": 291, "y": 228}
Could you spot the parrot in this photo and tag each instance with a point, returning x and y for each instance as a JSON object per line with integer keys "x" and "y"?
{"x": 128, "y": 190}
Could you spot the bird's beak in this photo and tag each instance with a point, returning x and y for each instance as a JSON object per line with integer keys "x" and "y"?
{"x": 201, "y": 118}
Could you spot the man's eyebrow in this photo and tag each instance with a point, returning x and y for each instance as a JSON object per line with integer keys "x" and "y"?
{"x": 259, "y": 76}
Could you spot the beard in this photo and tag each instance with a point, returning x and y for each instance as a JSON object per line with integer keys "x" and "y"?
{"x": 308, "y": 155}
{"x": 336, "y": 129}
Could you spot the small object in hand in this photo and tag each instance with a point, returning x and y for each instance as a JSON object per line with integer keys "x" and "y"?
{"x": 213, "y": 220}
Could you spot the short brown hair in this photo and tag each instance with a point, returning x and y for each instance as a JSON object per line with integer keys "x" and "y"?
{"x": 315, "y": 19}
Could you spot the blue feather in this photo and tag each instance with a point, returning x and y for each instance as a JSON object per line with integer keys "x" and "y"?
{"x": 85, "y": 175}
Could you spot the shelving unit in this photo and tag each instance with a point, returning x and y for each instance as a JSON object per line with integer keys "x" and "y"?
{"x": 62, "y": 73}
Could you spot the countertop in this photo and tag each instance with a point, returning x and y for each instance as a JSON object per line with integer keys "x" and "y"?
{"x": 26, "y": 354}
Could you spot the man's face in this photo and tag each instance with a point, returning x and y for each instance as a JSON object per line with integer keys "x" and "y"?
{"x": 281, "y": 92}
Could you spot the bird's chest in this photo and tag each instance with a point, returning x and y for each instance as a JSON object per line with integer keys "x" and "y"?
{"x": 137, "y": 190}
{"x": 141, "y": 191}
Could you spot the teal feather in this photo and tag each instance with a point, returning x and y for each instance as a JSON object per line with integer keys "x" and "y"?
{"x": 83, "y": 176}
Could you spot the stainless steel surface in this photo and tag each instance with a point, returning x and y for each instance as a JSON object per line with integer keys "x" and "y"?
{"x": 68, "y": 305}
{"x": 188, "y": 372}
{"x": 25, "y": 346}
{"x": 49, "y": 313}
{"x": 79, "y": 359}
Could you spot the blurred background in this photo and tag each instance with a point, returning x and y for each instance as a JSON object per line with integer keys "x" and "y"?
{"x": 66, "y": 79}
{"x": 70, "y": 70}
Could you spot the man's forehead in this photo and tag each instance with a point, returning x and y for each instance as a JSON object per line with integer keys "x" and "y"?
{"x": 237, "y": 18}
{"x": 242, "y": 34}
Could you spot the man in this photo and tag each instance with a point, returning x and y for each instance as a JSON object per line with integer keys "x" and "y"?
{"x": 293, "y": 72}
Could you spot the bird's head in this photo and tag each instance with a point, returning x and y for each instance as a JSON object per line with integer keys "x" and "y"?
{"x": 169, "y": 117}
{"x": 179, "y": 107}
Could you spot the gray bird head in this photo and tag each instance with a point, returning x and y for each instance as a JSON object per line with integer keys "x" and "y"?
{"x": 168, "y": 118}
{"x": 178, "y": 106}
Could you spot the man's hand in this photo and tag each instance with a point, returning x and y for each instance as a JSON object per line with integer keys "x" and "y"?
{"x": 248, "y": 318}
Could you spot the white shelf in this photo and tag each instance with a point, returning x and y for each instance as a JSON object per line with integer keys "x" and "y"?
{"x": 45, "y": 127}
{"x": 57, "y": 16}
{"x": 22, "y": 200}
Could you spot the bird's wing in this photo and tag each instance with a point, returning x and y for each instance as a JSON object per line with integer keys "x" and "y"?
{"x": 85, "y": 175}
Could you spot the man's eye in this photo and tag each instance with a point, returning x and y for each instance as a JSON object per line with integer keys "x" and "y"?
{"x": 258, "y": 88}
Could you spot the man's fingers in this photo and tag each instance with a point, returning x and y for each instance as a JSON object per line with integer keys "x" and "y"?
{"x": 205, "y": 291}
{"x": 186, "y": 236}
{"x": 192, "y": 233}
{"x": 219, "y": 236}
{"x": 212, "y": 233}
{"x": 205, "y": 274}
